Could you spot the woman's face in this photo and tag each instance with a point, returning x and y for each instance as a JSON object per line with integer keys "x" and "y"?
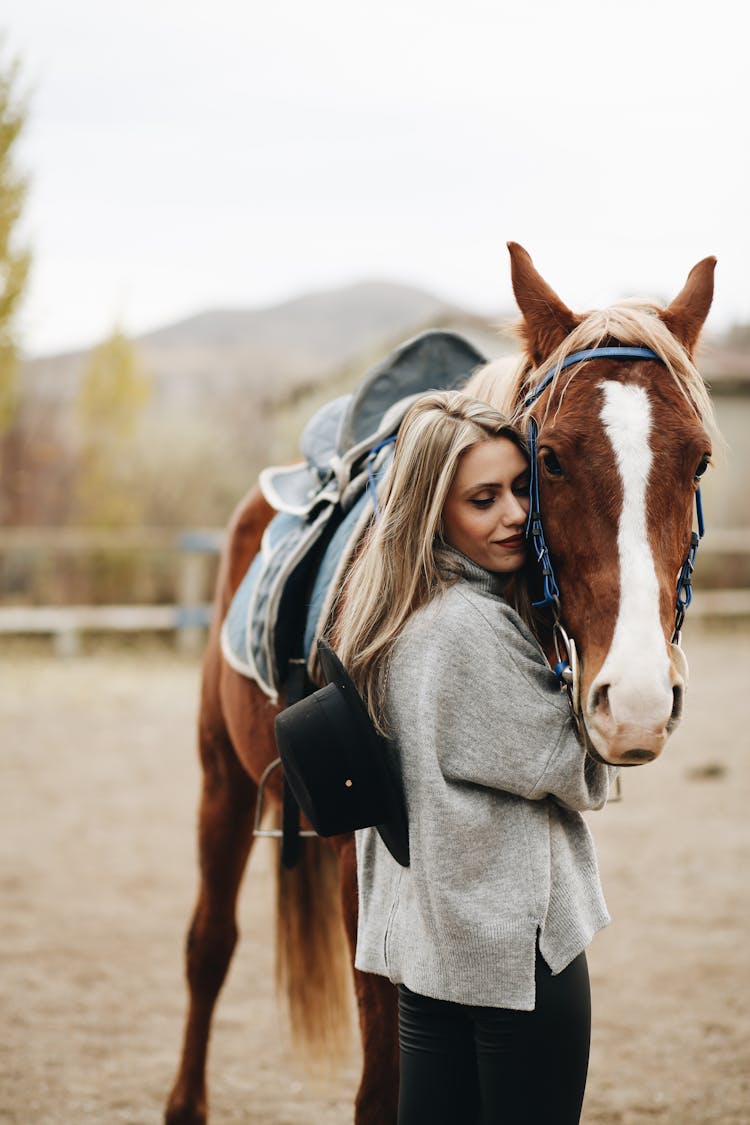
{"x": 485, "y": 511}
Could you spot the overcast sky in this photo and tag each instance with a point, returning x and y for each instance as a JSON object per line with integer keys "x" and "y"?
{"x": 186, "y": 155}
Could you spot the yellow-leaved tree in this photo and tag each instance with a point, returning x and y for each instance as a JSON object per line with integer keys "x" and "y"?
{"x": 113, "y": 394}
{"x": 14, "y": 258}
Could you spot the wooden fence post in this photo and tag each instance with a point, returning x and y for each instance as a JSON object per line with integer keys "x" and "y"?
{"x": 197, "y": 547}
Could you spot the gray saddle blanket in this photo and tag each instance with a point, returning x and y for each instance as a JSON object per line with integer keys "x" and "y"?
{"x": 324, "y": 506}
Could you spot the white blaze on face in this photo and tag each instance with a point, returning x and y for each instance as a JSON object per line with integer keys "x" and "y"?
{"x": 636, "y": 669}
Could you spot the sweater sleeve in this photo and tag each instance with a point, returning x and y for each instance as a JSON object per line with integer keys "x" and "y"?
{"x": 489, "y": 702}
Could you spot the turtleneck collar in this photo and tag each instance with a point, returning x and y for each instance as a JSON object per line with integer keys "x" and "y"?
{"x": 485, "y": 581}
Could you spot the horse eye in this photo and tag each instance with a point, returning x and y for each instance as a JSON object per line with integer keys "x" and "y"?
{"x": 704, "y": 463}
{"x": 551, "y": 463}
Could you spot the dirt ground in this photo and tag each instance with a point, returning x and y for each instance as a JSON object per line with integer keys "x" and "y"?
{"x": 99, "y": 789}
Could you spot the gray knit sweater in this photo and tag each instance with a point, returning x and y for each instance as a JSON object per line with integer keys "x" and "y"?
{"x": 494, "y": 779}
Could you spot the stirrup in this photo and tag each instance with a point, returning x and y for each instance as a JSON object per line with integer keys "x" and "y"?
{"x": 270, "y": 833}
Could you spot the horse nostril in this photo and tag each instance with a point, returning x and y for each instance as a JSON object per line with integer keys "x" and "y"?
{"x": 600, "y": 699}
{"x": 637, "y": 757}
{"x": 674, "y": 718}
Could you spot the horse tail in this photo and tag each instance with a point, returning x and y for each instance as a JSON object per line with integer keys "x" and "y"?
{"x": 313, "y": 963}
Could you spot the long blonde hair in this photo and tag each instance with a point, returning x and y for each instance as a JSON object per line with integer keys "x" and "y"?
{"x": 404, "y": 562}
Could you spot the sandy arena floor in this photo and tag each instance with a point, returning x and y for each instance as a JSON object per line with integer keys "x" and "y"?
{"x": 100, "y": 783}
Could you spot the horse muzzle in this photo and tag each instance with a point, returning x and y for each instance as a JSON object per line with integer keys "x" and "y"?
{"x": 629, "y": 718}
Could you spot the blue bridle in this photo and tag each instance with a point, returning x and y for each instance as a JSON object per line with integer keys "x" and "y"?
{"x": 534, "y": 528}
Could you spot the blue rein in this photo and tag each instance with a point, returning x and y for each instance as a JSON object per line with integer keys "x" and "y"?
{"x": 685, "y": 577}
{"x": 534, "y": 528}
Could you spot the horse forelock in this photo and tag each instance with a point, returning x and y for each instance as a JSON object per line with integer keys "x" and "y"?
{"x": 635, "y": 322}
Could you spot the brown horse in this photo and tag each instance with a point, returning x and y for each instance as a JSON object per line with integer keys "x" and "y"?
{"x": 622, "y": 442}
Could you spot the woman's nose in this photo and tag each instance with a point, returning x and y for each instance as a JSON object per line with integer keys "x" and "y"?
{"x": 515, "y": 510}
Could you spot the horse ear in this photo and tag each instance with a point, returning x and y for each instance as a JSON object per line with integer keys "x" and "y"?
{"x": 685, "y": 316}
{"x": 546, "y": 320}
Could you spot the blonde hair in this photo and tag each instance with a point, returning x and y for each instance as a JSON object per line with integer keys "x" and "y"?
{"x": 404, "y": 562}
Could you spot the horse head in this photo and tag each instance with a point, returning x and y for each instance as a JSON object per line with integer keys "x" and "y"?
{"x": 623, "y": 437}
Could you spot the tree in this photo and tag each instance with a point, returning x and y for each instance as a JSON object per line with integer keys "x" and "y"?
{"x": 113, "y": 394}
{"x": 14, "y": 258}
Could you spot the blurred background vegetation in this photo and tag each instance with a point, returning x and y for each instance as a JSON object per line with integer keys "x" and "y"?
{"x": 168, "y": 430}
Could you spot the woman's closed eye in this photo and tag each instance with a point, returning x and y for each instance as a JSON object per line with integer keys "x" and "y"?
{"x": 482, "y": 501}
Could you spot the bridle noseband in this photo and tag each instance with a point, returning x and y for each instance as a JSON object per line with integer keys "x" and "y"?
{"x": 566, "y": 668}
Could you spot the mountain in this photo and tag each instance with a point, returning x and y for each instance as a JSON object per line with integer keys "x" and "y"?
{"x": 269, "y": 352}
{"x": 225, "y": 357}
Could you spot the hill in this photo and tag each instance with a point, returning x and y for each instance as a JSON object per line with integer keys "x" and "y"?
{"x": 267, "y": 353}
{"x": 232, "y": 390}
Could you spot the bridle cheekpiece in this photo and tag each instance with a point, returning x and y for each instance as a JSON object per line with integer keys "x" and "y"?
{"x": 566, "y": 668}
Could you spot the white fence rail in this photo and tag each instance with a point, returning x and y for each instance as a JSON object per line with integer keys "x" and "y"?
{"x": 190, "y": 616}
{"x": 187, "y": 618}
{"x": 66, "y": 624}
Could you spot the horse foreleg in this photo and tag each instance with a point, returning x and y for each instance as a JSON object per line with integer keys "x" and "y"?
{"x": 376, "y": 1102}
{"x": 225, "y": 836}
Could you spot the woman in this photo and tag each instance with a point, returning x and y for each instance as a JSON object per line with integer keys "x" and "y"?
{"x": 484, "y": 933}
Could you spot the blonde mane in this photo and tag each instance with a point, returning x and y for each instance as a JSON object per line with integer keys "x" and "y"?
{"x": 505, "y": 383}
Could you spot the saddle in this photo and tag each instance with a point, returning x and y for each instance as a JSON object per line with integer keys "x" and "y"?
{"x": 324, "y": 505}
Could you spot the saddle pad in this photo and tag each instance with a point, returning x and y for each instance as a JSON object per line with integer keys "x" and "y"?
{"x": 249, "y": 631}
{"x": 290, "y": 586}
{"x": 296, "y": 488}
{"x": 330, "y": 575}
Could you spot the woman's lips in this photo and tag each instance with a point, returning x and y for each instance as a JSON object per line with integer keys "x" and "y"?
{"x": 514, "y": 543}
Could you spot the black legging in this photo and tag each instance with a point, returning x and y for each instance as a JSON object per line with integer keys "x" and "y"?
{"x": 465, "y": 1065}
